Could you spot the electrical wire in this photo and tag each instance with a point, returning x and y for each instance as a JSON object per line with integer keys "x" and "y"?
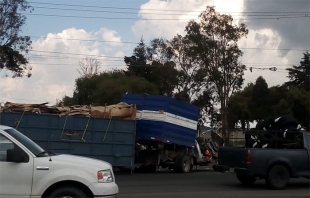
{"x": 116, "y": 65}
{"x": 121, "y": 59}
{"x": 131, "y": 42}
{"x": 169, "y": 14}
{"x": 139, "y": 9}
{"x": 163, "y": 19}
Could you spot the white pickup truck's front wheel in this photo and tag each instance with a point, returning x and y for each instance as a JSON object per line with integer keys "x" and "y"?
{"x": 66, "y": 192}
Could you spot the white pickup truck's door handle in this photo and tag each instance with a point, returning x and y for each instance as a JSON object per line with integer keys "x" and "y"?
{"x": 43, "y": 168}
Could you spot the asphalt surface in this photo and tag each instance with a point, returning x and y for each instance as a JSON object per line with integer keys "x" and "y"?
{"x": 201, "y": 183}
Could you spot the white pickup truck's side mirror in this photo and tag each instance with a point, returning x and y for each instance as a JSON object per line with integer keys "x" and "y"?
{"x": 16, "y": 155}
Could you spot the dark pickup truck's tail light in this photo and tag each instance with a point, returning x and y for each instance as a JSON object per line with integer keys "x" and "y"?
{"x": 248, "y": 157}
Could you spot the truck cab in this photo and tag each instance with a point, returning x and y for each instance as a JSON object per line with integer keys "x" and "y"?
{"x": 27, "y": 170}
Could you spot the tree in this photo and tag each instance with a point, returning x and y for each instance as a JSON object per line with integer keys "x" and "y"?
{"x": 66, "y": 101}
{"x": 299, "y": 76}
{"x": 282, "y": 108}
{"x": 12, "y": 45}
{"x": 89, "y": 67}
{"x": 215, "y": 39}
{"x": 137, "y": 63}
{"x": 191, "y": 84}
{"x": 239, "y": 111}
{"x": 298, "y": 100}
{"x": 107, "y": 88}
{"x": 259, "y": 103}
{"x": 150, "y": 63}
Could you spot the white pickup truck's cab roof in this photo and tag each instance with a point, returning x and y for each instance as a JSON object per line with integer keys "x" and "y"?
{"x": 2, "y": 127}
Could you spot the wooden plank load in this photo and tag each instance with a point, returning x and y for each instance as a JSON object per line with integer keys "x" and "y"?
{"x": 121, "y": 110}
{"x": 274, "y": 132}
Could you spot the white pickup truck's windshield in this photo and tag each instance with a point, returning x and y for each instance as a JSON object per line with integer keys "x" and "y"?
{"x": 24, "y": 140}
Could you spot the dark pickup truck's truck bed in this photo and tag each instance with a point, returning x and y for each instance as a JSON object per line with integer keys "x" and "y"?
{"x": 276, "y": 166}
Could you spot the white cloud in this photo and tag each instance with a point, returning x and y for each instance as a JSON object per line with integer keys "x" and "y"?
{"x": 265, "y": 57}
{"x": 190, "y": 9}
{"x": 168, "y": 28}
{"x": 55, "y": 60}
{"x": 110, "y": 35}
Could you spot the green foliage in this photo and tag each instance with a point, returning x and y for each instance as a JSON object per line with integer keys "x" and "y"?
{"x": 299, "y": 76}
{"x": 282, "y": 108}
{"x": 259, "y": 101}
{"x": 107, "y": 88}
{"x": 300, "y": 105}
{"x": 248, "y": 104}
{"x": 137, "y": 63}
{"x": 11, "y": 44}
{"x": 238, "y": 109}
{"x": 157, "y": 70}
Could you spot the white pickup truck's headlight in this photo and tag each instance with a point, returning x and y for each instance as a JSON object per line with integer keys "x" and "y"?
{"x": 105, "y": 176}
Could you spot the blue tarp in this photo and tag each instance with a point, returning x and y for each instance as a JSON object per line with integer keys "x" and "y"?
{"x": 160, "y": 130}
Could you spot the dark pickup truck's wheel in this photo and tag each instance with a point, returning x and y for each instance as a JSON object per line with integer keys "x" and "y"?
{"x": 68, "y": 192}
{"x": 278, "y": 177}
{"x": 245, "y": 179}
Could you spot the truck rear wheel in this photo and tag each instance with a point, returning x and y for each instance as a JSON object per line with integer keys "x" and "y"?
{"x": 245, "y": 179}
{"x": 278, "y": 177}
{"x": 68, "y": 191}
{"x": 182, "y": 164}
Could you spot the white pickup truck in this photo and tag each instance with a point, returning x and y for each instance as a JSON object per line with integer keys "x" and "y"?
{"x": 26, "y": 170}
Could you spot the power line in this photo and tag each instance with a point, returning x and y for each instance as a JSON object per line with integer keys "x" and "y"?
{"x": 163, "y": 19}
{"x": 130, "y": 42}
{"x": 71, "y": 64}
{"x": 67, "y": 57}
{"x": 88, "y": 40}
{"x": 52, "y": 52}
{"x": 121, "y": 59}
{"x": 169, "y": 14}
{"x": 138, "y": 9}
{"x": 251, "y": 67}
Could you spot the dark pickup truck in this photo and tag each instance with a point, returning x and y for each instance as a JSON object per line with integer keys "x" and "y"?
{"x": 275, "y": 165}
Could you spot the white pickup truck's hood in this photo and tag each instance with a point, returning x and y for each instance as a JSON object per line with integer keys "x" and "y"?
{"x": 67, "y": 167}
{"x": 73, "y": 160}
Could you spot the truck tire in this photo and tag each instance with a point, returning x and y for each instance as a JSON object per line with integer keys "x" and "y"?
{"x": 68, "y": 191}
{"x": 245, "y": 179}
{"x": 278, "y": 177}
{"x": 182, "y": 164}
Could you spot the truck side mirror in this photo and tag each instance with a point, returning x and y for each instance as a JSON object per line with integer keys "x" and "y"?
{"x": 15, "y": 155}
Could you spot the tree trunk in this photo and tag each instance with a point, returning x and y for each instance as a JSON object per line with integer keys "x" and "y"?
{"x": 224, "y": 123}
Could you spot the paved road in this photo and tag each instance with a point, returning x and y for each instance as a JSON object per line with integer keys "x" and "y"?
{"x": 200, "y": 184}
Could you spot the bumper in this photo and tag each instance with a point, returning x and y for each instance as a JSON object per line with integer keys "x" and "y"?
{"x": 227, "y": 169}
{"x": 104, "y": 190}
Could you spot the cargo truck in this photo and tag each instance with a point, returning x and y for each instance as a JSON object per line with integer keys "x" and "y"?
{"x": 163, "y": 134}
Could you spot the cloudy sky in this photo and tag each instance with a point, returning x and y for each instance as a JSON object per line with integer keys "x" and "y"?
{"x": 65, "y": 31}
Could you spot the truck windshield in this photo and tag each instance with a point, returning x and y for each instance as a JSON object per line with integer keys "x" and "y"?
{"x": 24, "y": 140}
